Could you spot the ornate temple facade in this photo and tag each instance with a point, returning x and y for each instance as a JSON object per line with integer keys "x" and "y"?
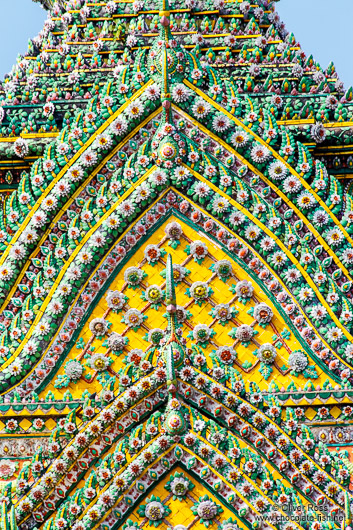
{"x": 176, "y": 273}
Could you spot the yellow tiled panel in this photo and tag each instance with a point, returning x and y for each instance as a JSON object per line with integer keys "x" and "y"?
{"x": 50, "y": 424}
{"x": 25, "y": 424}
{"x": 181, "y": 509}
{"x": 335, "y": 412}
{"x": 222, "y": 294}
{"x": 310, "y": 413}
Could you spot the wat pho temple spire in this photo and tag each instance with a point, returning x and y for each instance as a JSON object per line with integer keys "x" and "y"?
{"x": 176, "y": 273}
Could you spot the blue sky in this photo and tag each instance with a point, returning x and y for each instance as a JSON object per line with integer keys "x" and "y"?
{"x": 323, "y": 31}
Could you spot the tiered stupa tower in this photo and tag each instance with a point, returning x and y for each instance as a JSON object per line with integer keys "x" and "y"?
{"x": 176, "y": 273}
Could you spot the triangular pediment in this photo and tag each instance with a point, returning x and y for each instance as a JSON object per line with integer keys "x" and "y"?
{"x": 176, "y": 274}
